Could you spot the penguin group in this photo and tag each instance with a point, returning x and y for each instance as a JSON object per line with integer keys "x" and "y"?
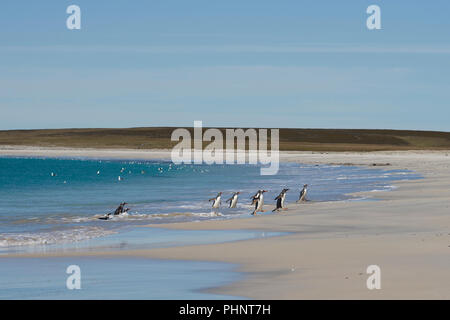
{"x": 258, "y": 200}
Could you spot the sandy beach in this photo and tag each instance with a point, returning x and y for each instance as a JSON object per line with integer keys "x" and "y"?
{"x": 406, "y": 232}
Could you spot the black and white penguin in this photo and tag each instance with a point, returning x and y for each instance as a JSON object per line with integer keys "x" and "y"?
{"x": 280, "y": 200}
{"x": 303, "y": 192}
{"x": 216, "y": 200}
{"x": 105, "y": 217}
{"x": 120, "y": 209}
{"x": 258, "y": 201}
{"x": 233, "y": 200}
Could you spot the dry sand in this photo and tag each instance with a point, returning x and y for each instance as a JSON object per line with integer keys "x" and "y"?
{"x": 330, "y": 245}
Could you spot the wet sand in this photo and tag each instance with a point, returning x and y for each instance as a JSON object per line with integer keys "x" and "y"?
{"x": 406, "y": 232}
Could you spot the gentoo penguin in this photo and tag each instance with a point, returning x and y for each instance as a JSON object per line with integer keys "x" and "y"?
{"x": 106, "y": 216}
{"x": 216, "y": 200}
{"x": 258, "y": 201}
{"x": 280, "y": 200}
{"x": 255, "y": 197}
{"x": 233, "y": 200}
{"x": 302, "y": 196}
{"x": 120, "y": 209}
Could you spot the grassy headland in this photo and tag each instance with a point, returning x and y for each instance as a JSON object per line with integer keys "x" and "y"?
{"x": 290, "y": 139}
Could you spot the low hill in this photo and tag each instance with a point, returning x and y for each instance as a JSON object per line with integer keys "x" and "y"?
{"x": 290, "y": 139}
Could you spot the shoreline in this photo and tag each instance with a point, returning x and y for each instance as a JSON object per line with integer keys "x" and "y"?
{"x": 406, "y": 233}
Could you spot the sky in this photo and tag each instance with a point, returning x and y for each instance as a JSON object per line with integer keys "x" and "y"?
{"x": 233, "y": 63}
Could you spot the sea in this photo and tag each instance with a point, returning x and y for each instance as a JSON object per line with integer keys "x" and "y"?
{"x": 47, "y": 201}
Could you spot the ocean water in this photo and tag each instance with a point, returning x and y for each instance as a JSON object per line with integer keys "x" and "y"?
{"x": 113, "y": 278}
{"x": 134, "y": 238}
{"x": 55, "y": 201}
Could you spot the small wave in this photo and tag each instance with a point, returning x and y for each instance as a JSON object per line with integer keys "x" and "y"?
{"x": 52, "y": 237}
{"x": 386, "y": 188}
{"x": 142, "y": 216}
{"x": 356, "y": 199}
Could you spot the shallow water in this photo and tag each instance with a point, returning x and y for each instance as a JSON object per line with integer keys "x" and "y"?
{"x": 113, "y": 278}
{"x": 56, "y": 201}
{"x": 145, "y": 238}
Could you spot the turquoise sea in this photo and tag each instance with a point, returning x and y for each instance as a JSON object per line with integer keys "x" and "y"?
{"x": 56, "y": 201}
{"x": 54, "y": 204}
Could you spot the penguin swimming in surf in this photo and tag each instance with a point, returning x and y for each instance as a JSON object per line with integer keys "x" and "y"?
{"x": 106, "y": 216}
{"x": 258, "y": 201}
{"x": 302, "y": 196}
{"x": 216, "y": 200}
{"x": 280, "y": 200}
{"x": 233, "y": 200}
{"x": 120, "y": 210}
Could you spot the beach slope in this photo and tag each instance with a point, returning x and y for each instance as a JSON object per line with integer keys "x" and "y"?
{"x": 329, "y": 245}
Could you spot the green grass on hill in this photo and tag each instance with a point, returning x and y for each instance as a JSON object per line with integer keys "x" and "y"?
{"x": 290, "y": 139}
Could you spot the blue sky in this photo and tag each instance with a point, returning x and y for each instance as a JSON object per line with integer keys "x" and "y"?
{"x": 306, "y": 64}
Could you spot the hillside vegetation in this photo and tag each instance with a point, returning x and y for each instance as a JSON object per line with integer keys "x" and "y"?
{"x": 290, "y": 139}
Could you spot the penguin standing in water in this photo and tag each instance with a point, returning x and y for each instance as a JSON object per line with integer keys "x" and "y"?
{"x": 233, "y": 200}
{"x": 216, "y": 200}
{"x": 302, "y": 196}
{"x": 120, "y": 210}
{"x": 280, "y": 200}
{"x": 258, "y": 201}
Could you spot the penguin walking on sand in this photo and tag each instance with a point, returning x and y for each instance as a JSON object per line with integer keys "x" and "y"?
{"x": 258, "y": 201}
{"x": 233, "y": 200}
{"x": 280, "y": 200}
{"x": 302, "y": 196}
{"x": 216, "y": 200}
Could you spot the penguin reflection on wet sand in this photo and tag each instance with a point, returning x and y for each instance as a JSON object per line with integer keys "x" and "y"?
{"x": 302, "y": 196}
{"x": 216, "y": 200}
{"x": 233, "y": 200}
{"x": 258, "y": 201}
{"x": 280, "y": 200}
